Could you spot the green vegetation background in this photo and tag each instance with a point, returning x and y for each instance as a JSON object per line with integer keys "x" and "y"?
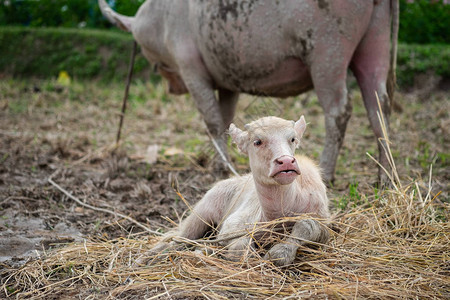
{"x": 422, "y": 21}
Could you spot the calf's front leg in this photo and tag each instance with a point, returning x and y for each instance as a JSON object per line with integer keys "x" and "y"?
{"x": 304, "y": 231}
{"x": 193, "y": 227}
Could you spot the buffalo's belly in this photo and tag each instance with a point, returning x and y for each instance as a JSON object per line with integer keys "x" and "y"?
{"x": 257, "y": 47}
{"x": 289, "y": 77}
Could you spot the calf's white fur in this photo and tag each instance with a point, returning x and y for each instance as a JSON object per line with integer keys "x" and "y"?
{"x": 280, "y": 185}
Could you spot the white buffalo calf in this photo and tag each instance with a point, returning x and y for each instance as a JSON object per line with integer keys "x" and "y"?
{"x": 279, "y": 185}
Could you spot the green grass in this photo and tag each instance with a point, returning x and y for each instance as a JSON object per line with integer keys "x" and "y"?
{"x": 426, "y": 155}
{"x": 353, "y": 198}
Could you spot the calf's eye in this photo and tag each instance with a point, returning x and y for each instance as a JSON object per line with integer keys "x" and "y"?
{"x": 292, "y": 140}
{"x": 257, "y": 142}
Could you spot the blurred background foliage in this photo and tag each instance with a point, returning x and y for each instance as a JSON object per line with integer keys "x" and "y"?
{"x": 424, "y": 21}
{"x": 421, "y": 21}
{"x": 61, "y": 13}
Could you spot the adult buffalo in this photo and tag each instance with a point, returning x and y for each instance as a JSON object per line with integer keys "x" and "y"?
{"x": 272, "y": 48}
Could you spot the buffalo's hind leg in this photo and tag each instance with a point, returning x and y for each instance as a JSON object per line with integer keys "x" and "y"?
{"x": 370, "y": 65}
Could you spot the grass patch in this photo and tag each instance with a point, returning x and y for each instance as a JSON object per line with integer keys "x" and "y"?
{"x": 87, "y": 53}
{"x": 353, "y": 198}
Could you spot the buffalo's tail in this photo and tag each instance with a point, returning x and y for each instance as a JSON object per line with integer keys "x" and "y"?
{"x": 123, "y": 22}
{"x": 392, "y": 78}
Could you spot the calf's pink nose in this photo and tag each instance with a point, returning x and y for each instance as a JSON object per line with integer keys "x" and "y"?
{"x": 285, "y": 159}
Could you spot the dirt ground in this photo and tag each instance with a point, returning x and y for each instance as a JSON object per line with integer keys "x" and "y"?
{"x": 67, "y": 133}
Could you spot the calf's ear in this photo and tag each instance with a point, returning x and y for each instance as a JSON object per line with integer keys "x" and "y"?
{"x": 239, "y": 137}
{"x": 300, "y": 127}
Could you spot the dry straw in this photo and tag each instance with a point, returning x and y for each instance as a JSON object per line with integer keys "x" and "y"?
{"x": 395, "y": 246}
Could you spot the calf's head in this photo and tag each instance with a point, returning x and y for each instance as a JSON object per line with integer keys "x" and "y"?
{"x": 270, "y": 143}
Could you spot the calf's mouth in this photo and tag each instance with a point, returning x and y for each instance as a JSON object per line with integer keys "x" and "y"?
{"x": 288, "y": 171}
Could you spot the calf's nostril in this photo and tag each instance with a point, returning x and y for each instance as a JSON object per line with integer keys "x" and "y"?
{"x": 279, "y": 161}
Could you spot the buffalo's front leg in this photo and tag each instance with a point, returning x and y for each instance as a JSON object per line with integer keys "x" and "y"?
{"x": 332, "y": 94}
{"x": 227, "y": 102}
{"x": 200, "y": 86}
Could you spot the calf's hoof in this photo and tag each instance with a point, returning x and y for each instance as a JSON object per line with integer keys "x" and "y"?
{"x": 281, "y": 254}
